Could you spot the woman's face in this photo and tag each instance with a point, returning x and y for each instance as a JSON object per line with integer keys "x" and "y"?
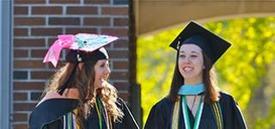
{"x": 190, "y": 63}
{"x": 102, "y": 72}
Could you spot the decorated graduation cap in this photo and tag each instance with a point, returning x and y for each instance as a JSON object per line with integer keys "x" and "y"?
{"x": 211, "y": 44}
{"x": 81, "y": 46}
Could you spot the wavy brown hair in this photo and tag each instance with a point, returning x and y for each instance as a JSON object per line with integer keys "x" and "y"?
{"x": 209, "y": 81}
{"x": 82, "y": 78}
{"x": 108, "y": 95}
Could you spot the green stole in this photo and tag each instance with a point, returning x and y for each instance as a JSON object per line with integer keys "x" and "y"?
{"x": 185, "y": 114}
{"x": 184, "y": 91}
{"x": 102, "y": 114}
{"x": 193, "y": 90}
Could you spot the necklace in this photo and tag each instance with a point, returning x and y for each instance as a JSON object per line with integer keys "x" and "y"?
{"x": 186, "y": 116}
{"x": 193, "y": 104}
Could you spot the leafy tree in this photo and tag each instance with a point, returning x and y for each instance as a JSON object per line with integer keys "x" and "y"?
{"x": 245, "y": 71}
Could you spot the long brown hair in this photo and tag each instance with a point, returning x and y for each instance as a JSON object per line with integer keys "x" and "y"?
{"x": 211, "y": 94}
{"x": 75, "y": 77}
{"x": 82, "y": 78}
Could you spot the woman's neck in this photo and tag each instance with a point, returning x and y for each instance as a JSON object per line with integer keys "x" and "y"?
{"x": 192, "y": 82}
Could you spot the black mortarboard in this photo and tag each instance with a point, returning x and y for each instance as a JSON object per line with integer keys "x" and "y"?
{"x": 211, "y": 44}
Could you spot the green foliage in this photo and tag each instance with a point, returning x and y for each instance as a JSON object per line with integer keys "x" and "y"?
{"x": 242, "y": 71}
{"x": 155, "y": 67}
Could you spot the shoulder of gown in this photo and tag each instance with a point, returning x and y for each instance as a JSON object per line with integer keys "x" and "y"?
{"x": 50, "y": 111}
{"x": 232, "y": 115}
{"x": 160, "y": 115}
{"x": 128, "y": 121}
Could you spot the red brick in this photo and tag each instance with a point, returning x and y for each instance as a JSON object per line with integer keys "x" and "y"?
{"x": 46, "y": 31}
{"x": 28, "y": 85}
{"x": 20, "y": 31}
{"x": 38, "y": 53}
{"x": 47, "y": 10}
{"x": 51, "y": 41}
{"x": 121, "y": 43}
{"x": 60, "y": 64}
{"x": 17, "y": 53}
{"x": 115, "y": 10}
{"x": 29, "y": 1}
{"x": 97, "y": 1}
{"x": 20, "y": 10}
{"x": 121, "y": 22}
{"x": 109, "y": 46}
{"x": 20, "y": 126}
{"x": 82, "y": 10}
{"x": 23, "y": 106}
{"x": 81, "y": 30}
{"x": 18, "y": 42}
{"x": 64, "y": 21}
{"x": 20, "y": 96}
{"x": 41, "y": 74}
{"x": 97, "y": 21}
{"x": 20, "y": 117}
{"x": 29, "y": 21}
{"x": 118, "y": 54}
{"x": 120, "y": 64}
{"x": 28, "y": 64}
{"x": 119, "y": 75}
{"x": 64, "y": 1}
{"x": 115, "y": 31}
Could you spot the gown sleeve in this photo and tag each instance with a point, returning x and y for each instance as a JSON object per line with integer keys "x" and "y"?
{"x": 238, "y": 119}
{"x": 58, "y": 124}
{"x": 48, "y": 114}
{"x": 233, "y": 118}
{"x": 128, "y": 121}
{"x": 159, "y": 117}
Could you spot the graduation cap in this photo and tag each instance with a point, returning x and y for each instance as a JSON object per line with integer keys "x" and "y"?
{"x": 79, "y": 44}
{"x": 211, "y": 44}
{"x": 83, "y": 47}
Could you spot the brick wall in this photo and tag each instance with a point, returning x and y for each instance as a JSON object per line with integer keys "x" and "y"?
{"x": 36, "y": 24}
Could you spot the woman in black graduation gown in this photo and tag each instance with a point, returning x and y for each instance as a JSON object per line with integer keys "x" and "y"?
{"x": 79, "y": 96}
{"x": 194, "y": 102}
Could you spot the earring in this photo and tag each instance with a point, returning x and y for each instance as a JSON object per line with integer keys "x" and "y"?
{"x": 79, "y": 59}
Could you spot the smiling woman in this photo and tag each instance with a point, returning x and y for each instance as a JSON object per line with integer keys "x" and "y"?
{"x": 102, "y": 72}
{"x": 79, "y": 95}
{"x": 246, "y": 71}
{"x": 191, "y": 63}
{"x": 194, "y": 101}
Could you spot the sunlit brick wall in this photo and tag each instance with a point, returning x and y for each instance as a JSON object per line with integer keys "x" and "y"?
{"x": 36, "y": 25}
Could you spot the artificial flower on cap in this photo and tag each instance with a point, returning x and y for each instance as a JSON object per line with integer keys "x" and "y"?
{"x": 211, "y": 44}
{"x": 80, "y": 42}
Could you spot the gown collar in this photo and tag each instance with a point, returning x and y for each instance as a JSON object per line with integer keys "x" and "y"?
{"x": 191, "y": 89}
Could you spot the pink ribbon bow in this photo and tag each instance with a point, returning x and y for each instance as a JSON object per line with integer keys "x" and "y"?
{"x": 53, "y": 54}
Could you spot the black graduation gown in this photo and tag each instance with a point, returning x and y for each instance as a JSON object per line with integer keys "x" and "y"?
{"x": 127, "y": 122}
{"x": 160, "y": 116}
{"x": 49, "y": 114}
